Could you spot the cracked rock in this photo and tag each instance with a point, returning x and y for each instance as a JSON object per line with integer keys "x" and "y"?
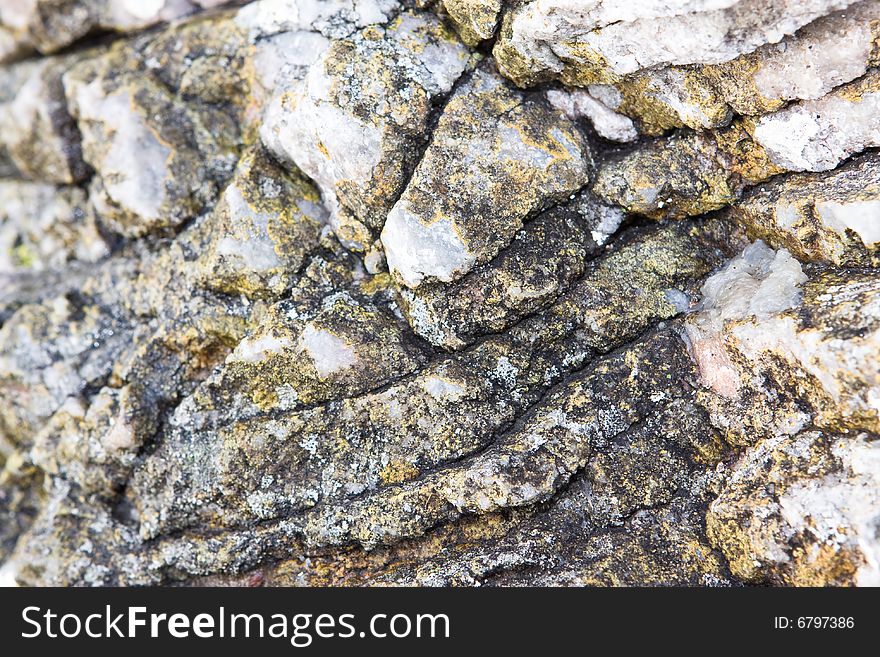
{"x": 496, "y": 157}
{"x": 39, "y": 138}
{"x": 783, "y": 526}
{"x": 475, "y": 20}
{"x": 358, "y": 120}
{"x": 441, "y": 293}
{"x": 806, "y": 65}
{"x": 153, "y": 102}
{"x": 830, "y": 218}
{"x": 598, "y": 42}
{"x": 42, "y": 25}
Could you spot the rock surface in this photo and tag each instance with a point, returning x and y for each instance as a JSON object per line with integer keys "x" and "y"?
{"x": 453, "y": 292}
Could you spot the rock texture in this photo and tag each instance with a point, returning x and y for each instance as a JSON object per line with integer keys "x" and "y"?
{"x": 440, "y": 292}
